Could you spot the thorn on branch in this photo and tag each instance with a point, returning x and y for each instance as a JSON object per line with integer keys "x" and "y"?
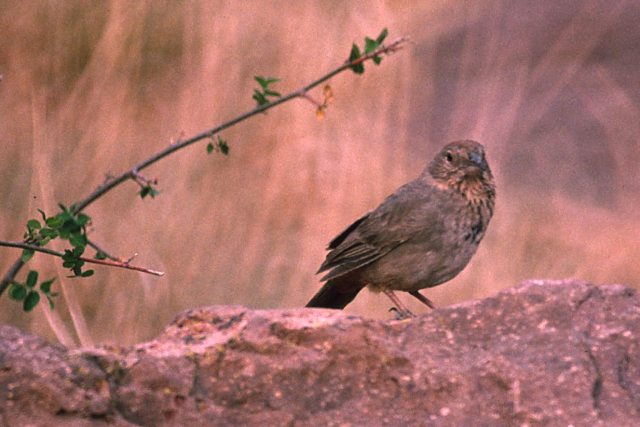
{"x": 131, "y": 258}
{"x": 178, "y": 140}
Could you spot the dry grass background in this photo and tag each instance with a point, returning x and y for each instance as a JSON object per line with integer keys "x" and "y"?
{"x": 91, "y": 87}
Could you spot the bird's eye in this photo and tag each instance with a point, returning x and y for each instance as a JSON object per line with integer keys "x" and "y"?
{"x": 449, "y": 156}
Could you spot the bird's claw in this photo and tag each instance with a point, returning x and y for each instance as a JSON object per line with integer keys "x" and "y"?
{"x": 401, "y": 314}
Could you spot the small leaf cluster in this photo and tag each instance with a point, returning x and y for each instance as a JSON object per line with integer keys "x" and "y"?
{"x": 218, "y": 145}
{"x": 29, "y": 294}
{"x": 261, "y": 96}
{"x": 370, "y": 45}
{"x": 67, "y": 225}
{"x": 71, "y": 260}
{"x": 148, "y": 190}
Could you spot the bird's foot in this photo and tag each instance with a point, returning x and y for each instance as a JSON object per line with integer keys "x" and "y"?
{"x": 401, "y": 314}
{"x": 401, "y": 310}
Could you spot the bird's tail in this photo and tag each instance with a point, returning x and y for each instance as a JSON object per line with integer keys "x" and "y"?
{"x": 332, "y": 296}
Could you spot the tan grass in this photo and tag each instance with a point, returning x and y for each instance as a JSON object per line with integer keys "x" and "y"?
{"x": 113, "y": 82}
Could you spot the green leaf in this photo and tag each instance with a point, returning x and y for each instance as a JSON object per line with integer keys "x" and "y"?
{"x": 355, "y": 54}
{"x": 48, "y": 233}
{"x": 370, "y": 45}
{"x": 27, "y": 254}
{"x": 17, "y": 291}
{"x": 264, "y": 82}
{"x": 209, "y": 148}
{"x": 87, "y": 273}
{"x": 270, "y": 92}
{"x": 83, "y": 219}
{"x": 71, "y": 259}
{"x": 378, "y": 41}
{"x": 259, "y": 97}
{"x": 54, "y": 222}
{"x": 51, "y": 305}
{"x": 261, "y": 81}
{"x": 45, "y": 287}
{"x": 32, "y": 299}
{"x": 78, "y": 239}
{"x": 383, "y": 35}
{"x": 101, "y": 255}
{"x": 33, "y": 224}
{"x": 148, "y": 190}
{"x": 32, "y": 278}
{"x": 69, "y": 226}
{"x": 223, "y": 146}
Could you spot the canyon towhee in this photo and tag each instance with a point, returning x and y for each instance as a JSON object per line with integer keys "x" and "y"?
{"x": 421, "y": 236}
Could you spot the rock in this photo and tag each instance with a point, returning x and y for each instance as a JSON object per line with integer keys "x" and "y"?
{"x": 542, "y": 353}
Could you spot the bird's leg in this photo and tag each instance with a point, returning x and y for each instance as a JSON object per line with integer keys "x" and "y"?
{"x": 402, "y": 312}
{"x": 426, "y": 301}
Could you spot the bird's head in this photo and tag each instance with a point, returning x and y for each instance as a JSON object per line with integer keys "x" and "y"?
{"x": 462, "y": 166}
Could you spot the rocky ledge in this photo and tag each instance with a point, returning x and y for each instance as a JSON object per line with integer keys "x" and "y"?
{"x": 542, "y": 353}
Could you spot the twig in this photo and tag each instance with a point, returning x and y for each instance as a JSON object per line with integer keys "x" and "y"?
{"x": 141, "y": 180}
{"x": 119, "y": 264}
{"x": 95, "y": 246}
{"x": 133, "y": 173}
{"x": 312, "y": 100}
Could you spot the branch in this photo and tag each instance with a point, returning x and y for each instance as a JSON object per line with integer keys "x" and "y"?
{"x": 119, "y": 264}
{"x": 95, "y": 246}
{"x": 133, "y": 173}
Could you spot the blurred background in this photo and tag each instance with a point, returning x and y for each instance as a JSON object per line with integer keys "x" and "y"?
{"x": 90, "y": 88}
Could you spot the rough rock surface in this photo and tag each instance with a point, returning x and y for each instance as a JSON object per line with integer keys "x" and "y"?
{"x": 543, "y": 353}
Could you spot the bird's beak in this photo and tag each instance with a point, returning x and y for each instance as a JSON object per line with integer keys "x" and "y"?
{"x": 478, "y": 160}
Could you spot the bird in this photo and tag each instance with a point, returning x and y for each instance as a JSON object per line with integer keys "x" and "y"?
{"x": 421, "y": 236}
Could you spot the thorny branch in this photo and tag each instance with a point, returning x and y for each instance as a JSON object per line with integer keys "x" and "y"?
{"x": 133, "y": 173}
{"x": 119, "y": 264}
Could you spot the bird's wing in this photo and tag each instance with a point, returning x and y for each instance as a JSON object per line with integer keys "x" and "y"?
{"x": 397, "y": 220}
{"x": 351, "y": 255}
{"x": 345, "y": 233}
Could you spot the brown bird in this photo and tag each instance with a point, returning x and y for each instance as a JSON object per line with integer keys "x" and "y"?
{"x": 421, "y": 236}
